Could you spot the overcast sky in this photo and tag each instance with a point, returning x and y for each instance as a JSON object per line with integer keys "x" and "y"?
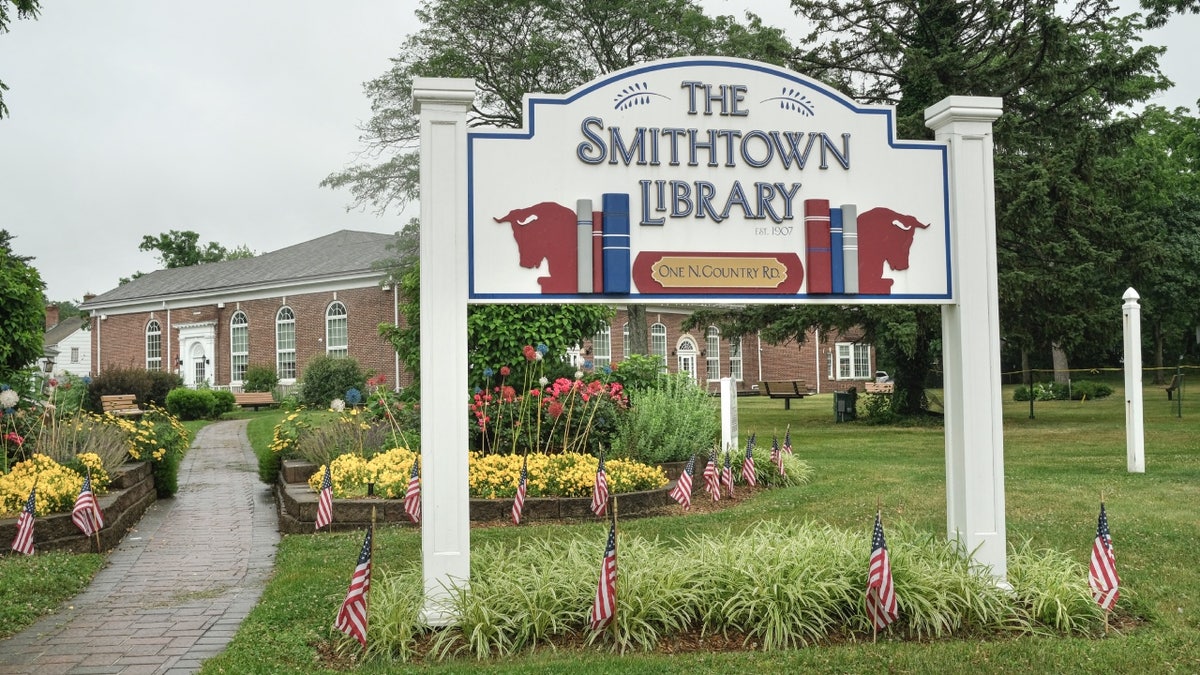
{"x": 135, "y": 117}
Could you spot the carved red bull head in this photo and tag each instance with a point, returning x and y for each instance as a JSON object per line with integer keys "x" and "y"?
{"x": 884, "y": 235}
{"x": 547, "y": 231}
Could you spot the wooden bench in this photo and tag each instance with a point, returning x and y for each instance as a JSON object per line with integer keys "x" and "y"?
{"x": 1176, "y": 380}
{"x": 254, "y": 399}
{"x": 879, "y": 387}
{"x": 121, "y": 405}
{"x": 784, "y": 389}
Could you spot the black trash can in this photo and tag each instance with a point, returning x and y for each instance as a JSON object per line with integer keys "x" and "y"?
{"x": 845, "y": 405}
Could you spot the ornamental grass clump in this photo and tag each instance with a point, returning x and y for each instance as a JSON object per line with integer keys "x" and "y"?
{"x": 777, "y": 585}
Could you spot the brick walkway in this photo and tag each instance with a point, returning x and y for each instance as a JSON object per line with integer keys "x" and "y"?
{"x": 175, "y": 590}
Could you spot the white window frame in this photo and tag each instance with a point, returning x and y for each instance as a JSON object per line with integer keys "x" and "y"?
{"x": 239, "y": 359}
{"x": 154, "y": 351}
{"x": 74, "y": 354}
{"x": 337, "y": 342}
{"x": 854, "y": 361}
{"x": 735, "y": 358}
{"x": 658, "y": 344}
{"x": 602, "y": 348}
{"x": 625, "y": 340}
{"x": 712, "y": 353}
{"x": 285, "y": 345}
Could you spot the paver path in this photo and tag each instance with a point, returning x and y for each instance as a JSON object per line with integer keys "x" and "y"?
{"x": 175, "y": 590}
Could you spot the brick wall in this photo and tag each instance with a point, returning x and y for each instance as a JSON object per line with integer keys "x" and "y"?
{"x": 119, "y": 340}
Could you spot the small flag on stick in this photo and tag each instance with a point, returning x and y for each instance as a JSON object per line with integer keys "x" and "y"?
{"x": 881, "y": 595}
{"x": 522, "y": 488}
{"x": 682, "y": 492}
{"x": 712, "y": 482}
{"x": 787, "y": 440}
{"x": 604, "y": 607}
{"x": 352, "y": 617}
{"x": 776, "y": 455}
{"x": 325, "y": 501}
{"x": 412, "y": 496}
{"x": 1102, "y": 572}
{"x": 86, "y": 514}
{"x": 727, "y": 472}
{"x": 749, "y": 472}
{"x": 23, "y": 543}
{"x": 600, "y": 489}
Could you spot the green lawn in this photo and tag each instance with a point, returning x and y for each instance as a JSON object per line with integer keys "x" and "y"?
{"x": 1056, "y": 466}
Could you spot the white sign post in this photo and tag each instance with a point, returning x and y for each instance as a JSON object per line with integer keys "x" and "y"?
{"x": 702, "y": 180}
{"x": 1135, "y": 436}
{"x": 729, "y": 414}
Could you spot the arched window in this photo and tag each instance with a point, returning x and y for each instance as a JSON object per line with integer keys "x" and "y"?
{"x": 153, "y": 345}
{"x": 602, "y": 348}
{"x": 712, "y": 353}
{"x": 337, "y": 335}
{"x": 285, "y": 344}
{"x": 239, "y": 346}
{"x": 658, "y": 344}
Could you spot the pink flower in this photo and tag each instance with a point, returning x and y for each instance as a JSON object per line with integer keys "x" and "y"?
{"x": 530, "y": 353}
{"x": 505, "y": 371}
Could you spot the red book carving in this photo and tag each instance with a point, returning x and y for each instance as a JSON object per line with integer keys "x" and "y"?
{"x": 817, "y": 239}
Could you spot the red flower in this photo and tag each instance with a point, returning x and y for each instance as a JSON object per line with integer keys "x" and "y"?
{"x": 555, "y": 409}
{"x": 505, "y": 371}
{"x": 530, "y": 353}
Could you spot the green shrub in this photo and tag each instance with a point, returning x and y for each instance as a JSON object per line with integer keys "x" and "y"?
{"x": 1042, "y": 391}
{"x": 191, "y": 404}
{"x": 151, "y": 387}
{"x": 327, "y": 378}
{"x": 260, "y": 378}
{"x": 668, "y": 423}
{"x": 1089, "y": 389}
{"x": 223, "y": 402}
{"x": 639, "y": 372}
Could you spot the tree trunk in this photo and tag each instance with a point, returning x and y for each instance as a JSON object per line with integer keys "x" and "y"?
{"x": 1158, "y": 352}
{"x": 638, "y": 330}
{"x": 1062, "y": 371}
{"x": 912, "y": 369}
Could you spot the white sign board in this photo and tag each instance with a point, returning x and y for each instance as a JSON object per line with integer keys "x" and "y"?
{"x": 689, "y": 179}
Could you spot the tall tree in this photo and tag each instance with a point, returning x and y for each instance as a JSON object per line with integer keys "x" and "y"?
{"x": 511, "y": 47}
{"x": 1061, "y": 71}
{"x": 182, "y": 249}
{"x": 22, "y": 312}
{"x": 1161, "y": 10}
{"x": 26, "y": 9}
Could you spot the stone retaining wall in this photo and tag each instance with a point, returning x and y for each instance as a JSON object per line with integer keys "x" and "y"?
{"x": 298, "y": 505}
{"x": 130, "y": 493}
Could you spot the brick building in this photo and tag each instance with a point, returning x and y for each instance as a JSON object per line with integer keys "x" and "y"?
{"x": 283, "y": 308}
{"x": 210, "y": 322}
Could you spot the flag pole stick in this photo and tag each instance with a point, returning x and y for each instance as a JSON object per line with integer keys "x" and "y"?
{"x": 878, "y": 513}
{"x": 613, "y": 623}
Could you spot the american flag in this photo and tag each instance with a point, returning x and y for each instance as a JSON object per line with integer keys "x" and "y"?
{"x": 727, "y": 472}
{"x": 352, "y": 617}
{"x": 86, "y": 514}
{"x": 787, "y": 440}
{"x": 600, "y": 489}
{"x": 881, "y": 595}
{"x": 682, "y": 492}
{"x": 522, "y": 487}
{"x": 776, "y": 455}
{"x": 712, "y": 482}
{"x": 325, "y": 501}
{"x": 749, "y": 472}
{"x": 24, "y": 540}
{"x": 412, "y": 496}
{"x": 1102, "y": 573}
{"x": 604, "y": 607}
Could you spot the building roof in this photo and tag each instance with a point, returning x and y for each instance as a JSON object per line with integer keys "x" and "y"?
{"x": 61, "y": 330}
{"x": 340, "y": 254}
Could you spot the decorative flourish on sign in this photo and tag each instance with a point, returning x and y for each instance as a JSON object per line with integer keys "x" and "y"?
{"x": 795, "y": 100}
{"x": 635, "y": 94}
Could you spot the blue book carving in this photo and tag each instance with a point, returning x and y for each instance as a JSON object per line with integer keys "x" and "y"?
{"x": 616, "y": 242}
{"x": 837, "y": 259}
{"x": 850, "y": 247}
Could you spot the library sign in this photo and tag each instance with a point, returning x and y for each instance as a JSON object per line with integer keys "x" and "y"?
{"x": 694, "y": 178}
